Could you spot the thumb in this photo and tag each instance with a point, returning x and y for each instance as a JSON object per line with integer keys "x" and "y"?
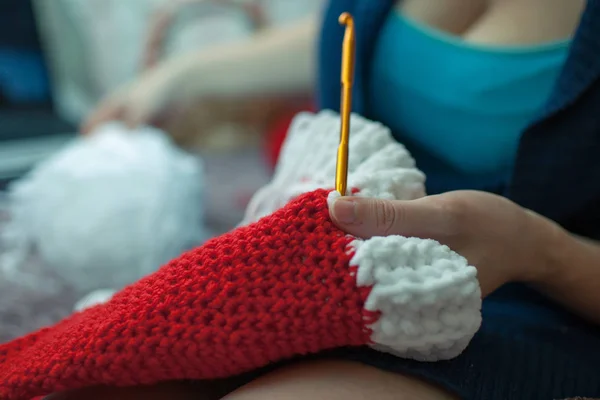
{"x": 367, "y": 217}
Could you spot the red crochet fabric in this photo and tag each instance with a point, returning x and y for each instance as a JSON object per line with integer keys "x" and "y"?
{"x": 269, "y": 291}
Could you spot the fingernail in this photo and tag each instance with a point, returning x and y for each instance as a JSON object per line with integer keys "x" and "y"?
{"x": 344, "y": 211}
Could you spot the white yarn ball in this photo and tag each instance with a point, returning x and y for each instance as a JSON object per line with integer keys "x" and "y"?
{"x": 111, "y": 208}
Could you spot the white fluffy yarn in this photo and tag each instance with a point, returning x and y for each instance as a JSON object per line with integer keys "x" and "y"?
{"x": 107, "y": 209}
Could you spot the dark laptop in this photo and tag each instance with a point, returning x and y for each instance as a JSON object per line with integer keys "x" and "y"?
{"x": 29, "y": 126}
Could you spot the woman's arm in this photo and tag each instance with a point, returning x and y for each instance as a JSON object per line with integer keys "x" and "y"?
{"x": 573, "y": 274}
{"x": 276, "y": 60}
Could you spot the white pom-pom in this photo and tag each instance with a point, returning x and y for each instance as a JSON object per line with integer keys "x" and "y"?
{"x": 108, "y": 209}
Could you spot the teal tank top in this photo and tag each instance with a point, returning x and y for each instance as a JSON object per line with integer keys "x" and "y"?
{"x": 459, "y": 103}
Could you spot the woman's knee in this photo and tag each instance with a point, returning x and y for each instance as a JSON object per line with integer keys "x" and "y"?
{"x": 337, "y": 380}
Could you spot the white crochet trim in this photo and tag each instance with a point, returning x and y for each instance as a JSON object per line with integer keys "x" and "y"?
{"x": 428, "y": 296}
{"x": 379, "y": 166}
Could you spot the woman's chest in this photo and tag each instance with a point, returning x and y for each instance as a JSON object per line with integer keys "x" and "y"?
{"x": 498, "y": 22}
{"x": 461, "y": 102}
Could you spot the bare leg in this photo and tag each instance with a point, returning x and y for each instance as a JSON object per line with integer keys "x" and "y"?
{"x": 337, "y": 380}
{"x": 321, "y": 380}
{"x": 164, "y": 391}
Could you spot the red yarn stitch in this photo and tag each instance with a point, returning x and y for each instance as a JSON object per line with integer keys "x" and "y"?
{"x": 279, "y": 288}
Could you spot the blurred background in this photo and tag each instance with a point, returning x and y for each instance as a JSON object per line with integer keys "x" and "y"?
{"x": 59, "y": 58}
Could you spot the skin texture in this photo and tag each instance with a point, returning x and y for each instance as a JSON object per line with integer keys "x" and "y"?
{"x": 520, "y": 22}
{"x": 499, "y": 22}
{"x": 451, "y": 16}
{"x": 334, "y": 380}
{"x": 323, "y": 380}
{"x": 175, "y": 391}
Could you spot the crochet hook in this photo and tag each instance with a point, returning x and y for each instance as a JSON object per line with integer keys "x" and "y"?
{"x": 347, "y": 79}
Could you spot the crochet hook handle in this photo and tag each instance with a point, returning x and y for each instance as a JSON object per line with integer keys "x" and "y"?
{"x": 347, "y": 79}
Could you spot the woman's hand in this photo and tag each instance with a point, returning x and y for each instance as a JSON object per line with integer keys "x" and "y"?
{"x": 277, "y": 62}
{"x": 162, "y": 99}
{"x": 139, "y": 102}
{"x": 503, "y": 241}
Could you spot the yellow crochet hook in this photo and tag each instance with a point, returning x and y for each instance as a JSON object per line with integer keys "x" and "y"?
{"x": 347, "y": 79}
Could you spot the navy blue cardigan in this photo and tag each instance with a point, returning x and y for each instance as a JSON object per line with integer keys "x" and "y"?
{"x": 557, "y": 170}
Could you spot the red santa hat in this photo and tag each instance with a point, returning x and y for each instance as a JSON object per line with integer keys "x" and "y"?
{"x": 288, "y": 284}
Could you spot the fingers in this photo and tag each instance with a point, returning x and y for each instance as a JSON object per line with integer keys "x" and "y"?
{"x": 130, "y": 104}
{"x": 364, "y": 217}
{"x": 105, "y": 113}
{"x": 132, "y": 115}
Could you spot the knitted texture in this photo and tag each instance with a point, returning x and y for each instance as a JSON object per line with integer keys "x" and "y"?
{"x": 287, "y": 285}
{"x": 272, "y": 290}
